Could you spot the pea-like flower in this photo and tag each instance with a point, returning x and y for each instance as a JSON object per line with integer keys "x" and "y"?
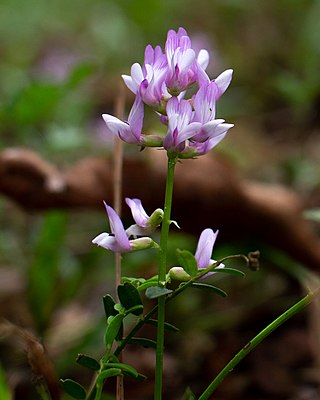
{"x": 212, "y": 130}
{"x": 180, "y": 125}
{"x": 130, "y": 131}
{"x": 118, "y": 240}
{"x": 184, "y": 68}
{"x": 148, "y": 80}
{"x": 144, "y": 225}
{"x": 202, "y": 256}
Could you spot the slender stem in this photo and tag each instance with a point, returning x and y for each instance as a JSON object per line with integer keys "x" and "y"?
{"x": 162, "y": 277}
{"x": 300, "y": 305}
{"x": 117, "y": 194}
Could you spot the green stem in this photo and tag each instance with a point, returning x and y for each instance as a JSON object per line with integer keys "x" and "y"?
{"x": 162, "y": 277}
{"x": 300, "y": 305}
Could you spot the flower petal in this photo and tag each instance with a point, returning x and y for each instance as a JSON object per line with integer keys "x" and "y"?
{"x": 117, "y": 228}
{"x": 204, "y": 247}
{"x": 138, "y": 212}
{"x": 203, "y": 58}
{"x": 108, "y": 242}
{"x": 115, "y": 125}
{"x": 223, "y": 81}
{"x": 135, "y": 118}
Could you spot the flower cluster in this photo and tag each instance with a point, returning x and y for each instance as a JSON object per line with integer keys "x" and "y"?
{"x": 162, "y": 83}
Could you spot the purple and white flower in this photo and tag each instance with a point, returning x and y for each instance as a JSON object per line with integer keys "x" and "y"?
{"x": 180, "y": 125}
{"x": 184, "y": 68}
{"x": 144, "y": 224}
{"x": 130, "y": 131}
{"x": 204, "y": 248}
{"x": 118, "y": 240}
{"x": 202, "y": 256}
{"x": 148, "y": 80}
{"x": 212, "y": 130}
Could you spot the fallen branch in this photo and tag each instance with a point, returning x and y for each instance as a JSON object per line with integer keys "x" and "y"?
{"x": 208, "y": 193}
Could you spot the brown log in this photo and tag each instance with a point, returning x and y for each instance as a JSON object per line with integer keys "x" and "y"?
{"x": 207, "y": 193}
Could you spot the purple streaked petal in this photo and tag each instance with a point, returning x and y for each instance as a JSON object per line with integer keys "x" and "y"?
{"x": 115, "y": 125}
{"x": 204, "y": 102}
{"x": 117, "y": 228}
{"x": 182, "y": 32}
{"x": 138, "y": 212}
{"x": 189, "y": 131}
{"x": 136, "y": 116}
{"x": 185, "y": 44}
{"x": 172, "y": 43}
{"x": 186, "y": 59}
{"x": 149, "y": 55}
{"x": 204, "y": 247}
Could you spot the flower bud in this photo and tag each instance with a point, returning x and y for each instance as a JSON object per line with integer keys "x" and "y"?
{"x": 179, "y": 274}
{"x": 143, "y": 243}
{"x": 155, "y": 219}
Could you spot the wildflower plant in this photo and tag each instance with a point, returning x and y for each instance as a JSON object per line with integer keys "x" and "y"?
{"x": 162, "y": 83}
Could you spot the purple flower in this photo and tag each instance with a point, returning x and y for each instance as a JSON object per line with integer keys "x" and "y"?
{"x": 184, "y": 68}
{"x": 204, "y": 104}
{"x": 180, "y": 125}
{"x": 118, "y": 240}
{"x": 204, "y": 248}
{"x": 212, "y": 130}
{"x": 148, "y": 80}
{"x": 202, "y": 256}
{"x": 144, "y": 225}
{"x": 130, "y": 131}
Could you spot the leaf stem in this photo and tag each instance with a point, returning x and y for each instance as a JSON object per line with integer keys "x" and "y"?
{"x": 300, "y": 305}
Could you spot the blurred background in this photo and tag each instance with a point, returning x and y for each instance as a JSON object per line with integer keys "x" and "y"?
{"x": 59, "y": 71}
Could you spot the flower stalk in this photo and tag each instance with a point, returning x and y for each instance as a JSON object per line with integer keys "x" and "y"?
{"x": 162, "y": 276}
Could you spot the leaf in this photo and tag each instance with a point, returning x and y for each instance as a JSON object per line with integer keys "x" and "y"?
{"x": 157, "y": 291}
{"x": 212, "y": 288}
{"x": 147, "y": 343}
{"x": 88, "y": 362}
{"x": 108, "y": 373}
{"x": 109, "y": 304}
{"x": 167, "y": 326}
{"x": 130, "y": 298}
{"x": 112, "y": 329}
{"x": 125, "y": 368}
{"x": 231, "y": 271}
{"x": 188, "y": 262}
{"x": 136, "y": 310}
{"x": 74, "y": 389}
{"x": 188, "y": 395}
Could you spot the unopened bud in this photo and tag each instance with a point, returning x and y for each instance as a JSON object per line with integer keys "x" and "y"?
{"x": 179, "y": 274}
{"x": 143, "y": 243}
{"x": 155, "y": 219}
